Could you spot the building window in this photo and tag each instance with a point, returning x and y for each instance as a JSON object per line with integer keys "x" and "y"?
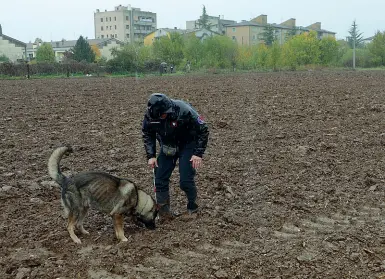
{"x": 102, "y": 36}
{"x": 110, "y": 27}
{"x": 116, "y": 35}
{"x": 101, "y": 28}
{"x": 127, "y": 26}
{"x": 253, "y": 37}
{"x": 234, "y": 38}
{"x": 115, "y": 27}
{"x": 106, "y": 19}
{"x": 127, "y": 35}
{"x": 101, "y": 20}
{"x": 115, "y": 18}
{"x": 110, "y": 18}
{"x": 127, "y": 18}
{"x": 233, "y": 29}
{"x": 107, "y": 35}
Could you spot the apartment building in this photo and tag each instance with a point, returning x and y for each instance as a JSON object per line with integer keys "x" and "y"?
{"x": 218, "y": 24}
{"x": 250, "y": 32}
{"x": 13, "y": 49}
{"x": 125, "y": 23}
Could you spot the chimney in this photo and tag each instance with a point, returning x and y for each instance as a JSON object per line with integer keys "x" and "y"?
{"x": 289, "y": 23}
{"x": 262, "y": 19}
{"x": 315, "y": 26}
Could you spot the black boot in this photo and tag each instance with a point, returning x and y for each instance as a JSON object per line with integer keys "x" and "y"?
{"x": 192, "y": 208}
{"x": 163, "y": 201}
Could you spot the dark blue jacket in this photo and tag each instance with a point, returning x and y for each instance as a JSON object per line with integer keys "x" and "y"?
{"x": 184, "y": 125}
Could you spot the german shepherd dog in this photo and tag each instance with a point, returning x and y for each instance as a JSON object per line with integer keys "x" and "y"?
{"x": 115, "y": 196}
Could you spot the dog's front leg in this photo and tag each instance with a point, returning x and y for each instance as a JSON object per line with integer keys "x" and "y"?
{"x": 118, "y": 226}
{"x": 71, "y": 228}
{"x": 117, "y": 207}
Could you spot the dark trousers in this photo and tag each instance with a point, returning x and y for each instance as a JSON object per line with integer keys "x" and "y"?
{"x": 166, "y": 165}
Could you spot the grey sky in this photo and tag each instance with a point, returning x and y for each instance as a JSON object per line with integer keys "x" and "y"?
{"x": 53, "y": 20}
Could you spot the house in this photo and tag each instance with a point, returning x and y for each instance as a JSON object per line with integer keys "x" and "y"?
{"x": 201, "y": 33}
{"x": 366, "y": 40}
{"x": 60, "y": 47}
{"x": 250, "y": 32}
{"x": 161, "y": 32}
{"x": 13, "y": 49}
{"x": 217, "y": 24}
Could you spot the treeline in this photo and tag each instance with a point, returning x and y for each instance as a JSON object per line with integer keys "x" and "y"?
{"x": 216, "y": 52}
{"x": 222, "y": 52}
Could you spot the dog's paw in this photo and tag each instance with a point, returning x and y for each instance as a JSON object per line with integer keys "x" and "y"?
{"x": 83, "y": 231}
{"x": 124, "y": 239}
{"x": 77, "y": 241}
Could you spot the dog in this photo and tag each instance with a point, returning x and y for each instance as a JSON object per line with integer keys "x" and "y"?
{"x": 115, "y": 196}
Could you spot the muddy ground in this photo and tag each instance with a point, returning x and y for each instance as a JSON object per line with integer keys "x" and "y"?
{"x": 292, "y": 184}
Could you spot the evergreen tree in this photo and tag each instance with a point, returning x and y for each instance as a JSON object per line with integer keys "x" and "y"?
{"x": 268, "y": 35}
{"x": 45, "y": 53}
{"x": 4, "y": 58}
{"x": 83, "y": 51}
{"x": 355, "y": 39}
{"x": 204, "y": 22}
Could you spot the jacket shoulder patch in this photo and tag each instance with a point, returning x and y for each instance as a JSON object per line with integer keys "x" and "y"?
{"x": 200, "y": 120}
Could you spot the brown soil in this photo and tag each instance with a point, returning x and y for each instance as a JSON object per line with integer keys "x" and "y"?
{"x": 292, "y": 184}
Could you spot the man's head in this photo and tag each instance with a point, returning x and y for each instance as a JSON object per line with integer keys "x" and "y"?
{"x": 159, "y": 105}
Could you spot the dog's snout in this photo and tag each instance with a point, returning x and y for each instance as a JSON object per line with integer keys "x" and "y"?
{"x": 150, "y": 226}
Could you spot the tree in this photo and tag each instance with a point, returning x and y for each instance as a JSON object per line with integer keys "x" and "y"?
{"x": 220, "y": 51}
{"x": 170, "y": 48}
{"x": 193, "y": 50}
{"x": 4, "y": 58}
{"x": 305, "y": 47}
{"x": 274, "y": 57}
{"x": 97, "y": 52}
{"x": 291, "y": 33}
{"x": 82, "y": 51}
{"x": 68, "y": 55}
{"x": 204, "y": 22}
{"x": 123, "y": 59}
{"x": 377, "y": 47}
{"x": 245, "y": 57}
{"x": 354, "y": 40}
{"x": 45, "y": 53}
{"x": 263, "y": 53}
{"x": 328, "y": 50}
{"x": 268, "y": 35}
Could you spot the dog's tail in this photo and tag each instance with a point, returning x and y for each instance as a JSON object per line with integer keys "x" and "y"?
{"x": 54, "y": 163}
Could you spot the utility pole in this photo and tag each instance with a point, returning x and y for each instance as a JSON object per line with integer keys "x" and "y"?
{"x": 354, "y": 53}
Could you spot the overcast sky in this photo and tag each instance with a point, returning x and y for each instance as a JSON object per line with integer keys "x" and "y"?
{"x": 26, "y": 20}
